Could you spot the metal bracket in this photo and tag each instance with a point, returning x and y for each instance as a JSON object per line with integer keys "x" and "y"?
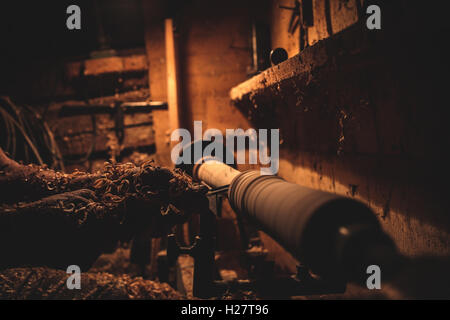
{"x": 215, "y": 197}
{"x": 119, "y": 121}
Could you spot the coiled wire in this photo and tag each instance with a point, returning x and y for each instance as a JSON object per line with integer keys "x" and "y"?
{"x": 26, "y": 137}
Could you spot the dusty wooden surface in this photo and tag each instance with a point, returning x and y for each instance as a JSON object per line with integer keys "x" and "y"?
{"x": 358, "y": 116}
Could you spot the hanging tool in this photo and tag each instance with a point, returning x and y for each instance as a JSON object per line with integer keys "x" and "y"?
{"x": 295, "y": 17}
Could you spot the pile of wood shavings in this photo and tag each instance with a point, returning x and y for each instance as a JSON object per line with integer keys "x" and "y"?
{"x": 45, "y": 283}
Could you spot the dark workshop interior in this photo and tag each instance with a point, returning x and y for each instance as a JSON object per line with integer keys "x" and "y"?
{"x": 89, "y": 184}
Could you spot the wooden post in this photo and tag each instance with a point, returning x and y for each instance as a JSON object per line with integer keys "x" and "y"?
{"x": 156, "y": 52}
{"x": 173, "y": 85}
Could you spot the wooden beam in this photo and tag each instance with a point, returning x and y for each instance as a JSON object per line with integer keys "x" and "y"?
{"x": 96, "y": 67}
